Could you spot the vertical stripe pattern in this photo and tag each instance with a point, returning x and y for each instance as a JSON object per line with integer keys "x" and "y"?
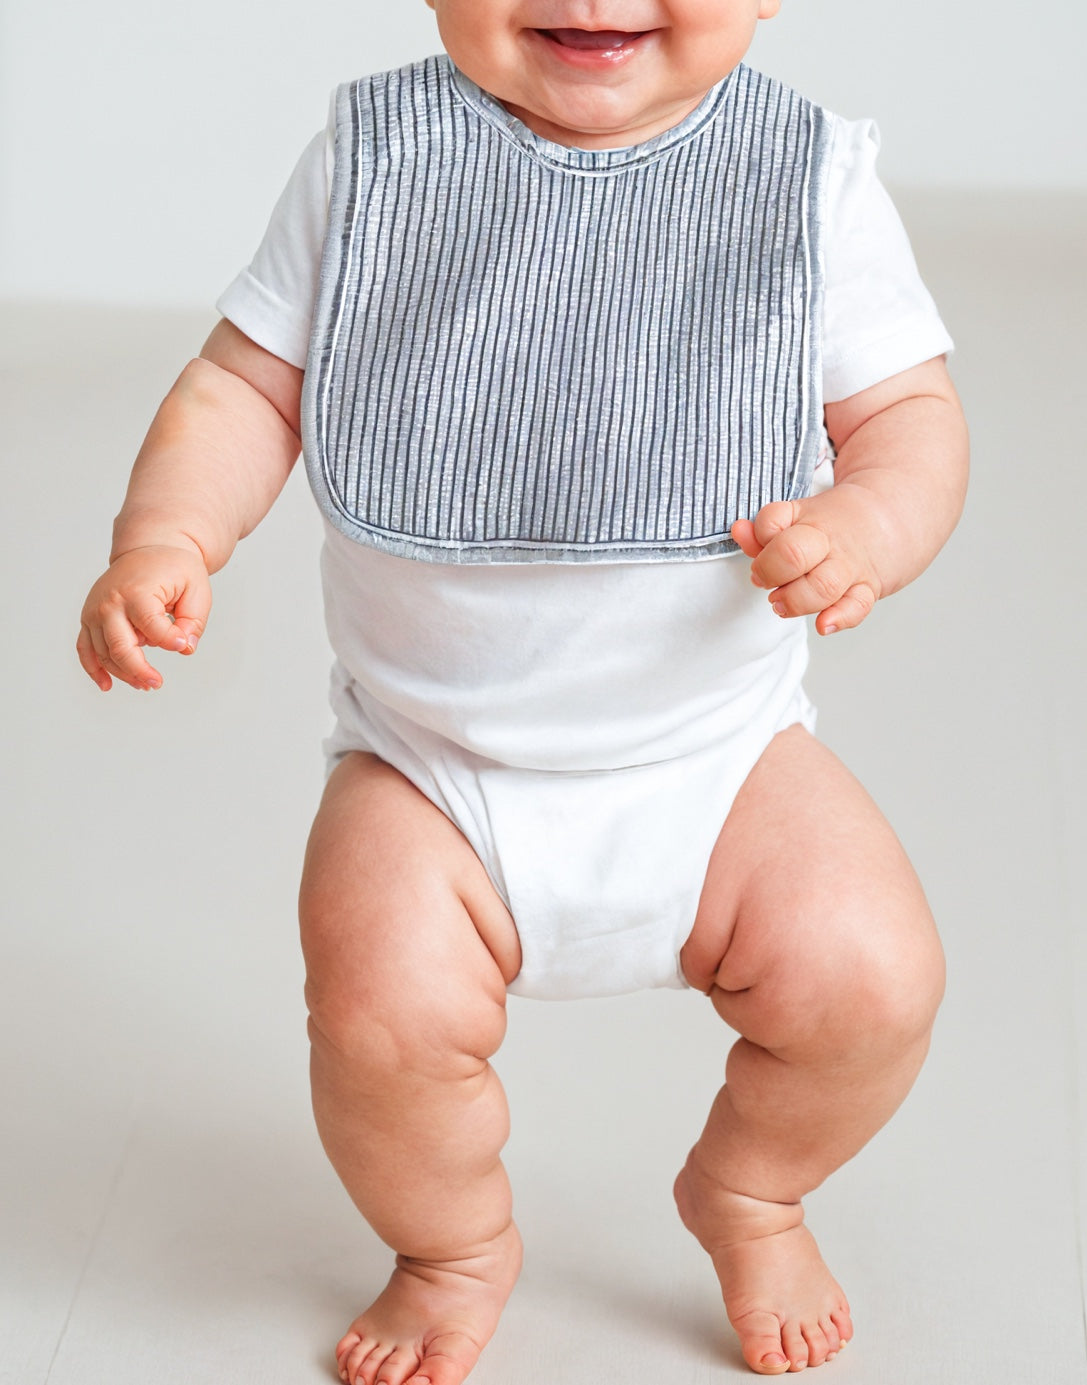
{"x": 523, "y": 352}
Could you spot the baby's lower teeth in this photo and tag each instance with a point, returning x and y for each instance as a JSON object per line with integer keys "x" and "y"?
{"x": 591, "y": 38}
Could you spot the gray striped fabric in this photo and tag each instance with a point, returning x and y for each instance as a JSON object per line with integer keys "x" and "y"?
{"x": 523, "y": 352}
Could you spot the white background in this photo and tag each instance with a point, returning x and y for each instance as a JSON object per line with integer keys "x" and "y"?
{"x": 143, "y": 144}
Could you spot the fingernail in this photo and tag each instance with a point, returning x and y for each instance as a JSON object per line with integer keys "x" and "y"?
{"x": 830, "y": 630}
{"x": 779, "y": 608}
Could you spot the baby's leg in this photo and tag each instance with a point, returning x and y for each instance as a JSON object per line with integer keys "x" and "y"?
{"x": 408, "y": 950}
{"x": 814, "y": 942}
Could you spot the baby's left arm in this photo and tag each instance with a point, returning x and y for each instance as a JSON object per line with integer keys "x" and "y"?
{"x": 899, "y": 486}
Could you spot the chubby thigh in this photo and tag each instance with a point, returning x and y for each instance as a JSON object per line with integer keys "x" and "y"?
{"x": 810, "y": 908}
{"x": 808, "y": 899}
{"x": 398, "y": 915}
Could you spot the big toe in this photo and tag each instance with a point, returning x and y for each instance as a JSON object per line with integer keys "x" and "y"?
{"x": 445, "y": 1365}
{"x": 760, "y": 1342}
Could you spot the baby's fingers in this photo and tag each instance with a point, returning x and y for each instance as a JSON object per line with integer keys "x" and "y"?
{"x": 158, "y": 595}
{"x": 156, "y": 628}
{"x": 92, "y": 665}
{"x": 791, "y": 554}
{"x": 743, "y": 533}
{"x": 118, "y": 648}
{"x": 848, "y": 611}
{"x": 829, "y": 592}
{"x": 190, "y": 617}
{"x": 773, "y": 519}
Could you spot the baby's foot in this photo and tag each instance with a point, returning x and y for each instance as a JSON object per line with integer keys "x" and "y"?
{"x": 779, "y": 1295}
{"x": 433, "y": 1318}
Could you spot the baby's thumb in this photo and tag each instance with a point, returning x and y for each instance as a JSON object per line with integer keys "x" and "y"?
{"x": 190, "y": 618}
{"x": 154, "y": 626}
{"x": 774, "y": 518}
{"x": 184, "y": 637}
{"x": 743, "y": 533}
{"x": 177, "y": 624}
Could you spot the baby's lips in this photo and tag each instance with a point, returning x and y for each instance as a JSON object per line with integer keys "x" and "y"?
{"x": 589, "y": 39}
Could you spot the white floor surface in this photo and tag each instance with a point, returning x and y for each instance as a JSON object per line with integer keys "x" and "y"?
{"x": 166, "y": 1213}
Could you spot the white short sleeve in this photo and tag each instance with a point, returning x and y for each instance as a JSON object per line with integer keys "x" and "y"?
{"x": 272, "y": 300}
{"x": 879, "y": 318}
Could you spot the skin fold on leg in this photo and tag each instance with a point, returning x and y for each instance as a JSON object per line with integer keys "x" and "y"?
{"x": 814, "y": 942}
{"x": 408, "y": 952}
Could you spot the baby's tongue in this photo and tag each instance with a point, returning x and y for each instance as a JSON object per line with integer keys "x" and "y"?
{"x": 590, "y": 38}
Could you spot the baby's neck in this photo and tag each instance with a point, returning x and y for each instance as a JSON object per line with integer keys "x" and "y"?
{"x": 572, "y": 138}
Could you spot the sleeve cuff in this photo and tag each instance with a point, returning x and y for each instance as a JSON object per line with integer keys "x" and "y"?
{"x": 911, "y": 344}
{"x": 267, "y": 319}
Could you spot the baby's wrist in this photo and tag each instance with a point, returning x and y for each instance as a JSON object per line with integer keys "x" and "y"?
{"x": 126, "y": 542}
{"x": 880, "y": 527}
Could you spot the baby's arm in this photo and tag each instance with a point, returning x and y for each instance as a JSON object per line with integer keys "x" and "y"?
{"x": 899, "y": 486}
{"x": 216, "y": 456}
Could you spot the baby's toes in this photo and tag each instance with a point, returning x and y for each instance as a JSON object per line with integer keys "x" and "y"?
{"x": 818, "y": 1345}
{"x": 347, "y": 1344}
{"x": 397, "y": 1367}
{"x": 362, "y": 1363}
{"x": 830, "y": 1332}
{"x": 796, "y": 1346}
{"x": 761, "y": 1342}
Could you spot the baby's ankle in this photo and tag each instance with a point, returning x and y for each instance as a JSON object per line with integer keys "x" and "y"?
{"x": 718, "y": 1215}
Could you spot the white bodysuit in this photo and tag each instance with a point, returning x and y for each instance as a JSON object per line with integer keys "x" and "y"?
{"x": 586, "y": 724}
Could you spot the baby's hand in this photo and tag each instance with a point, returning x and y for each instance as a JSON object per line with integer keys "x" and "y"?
{"x": 814, "y": 557}
{"x": 131, "y": 606}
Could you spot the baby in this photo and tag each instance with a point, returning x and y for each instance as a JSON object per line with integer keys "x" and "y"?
{"x": 565, "y": 318}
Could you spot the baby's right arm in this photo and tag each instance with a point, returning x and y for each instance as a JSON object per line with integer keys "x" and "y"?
{"x": 217, "y": 455}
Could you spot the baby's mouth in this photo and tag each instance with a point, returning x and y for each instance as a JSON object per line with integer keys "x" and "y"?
{"x": 592, "y": 40}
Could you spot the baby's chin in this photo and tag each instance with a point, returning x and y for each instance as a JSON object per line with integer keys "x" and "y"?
{"x": 600, "y": 120}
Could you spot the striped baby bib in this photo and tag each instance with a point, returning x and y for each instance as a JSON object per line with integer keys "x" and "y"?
{"x": 525, "y": 352}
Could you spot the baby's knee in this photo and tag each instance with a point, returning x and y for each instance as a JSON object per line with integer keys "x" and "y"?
{"x": 402, "y": 1031}
{"x": 378, "y": 1002}
{"x": 893, "y": 985}
{"x": 893, "y": 993}
{"x": 879, "y": 991}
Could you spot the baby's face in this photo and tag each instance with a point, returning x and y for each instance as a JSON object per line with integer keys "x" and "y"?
{"x": 598, "y": 74}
